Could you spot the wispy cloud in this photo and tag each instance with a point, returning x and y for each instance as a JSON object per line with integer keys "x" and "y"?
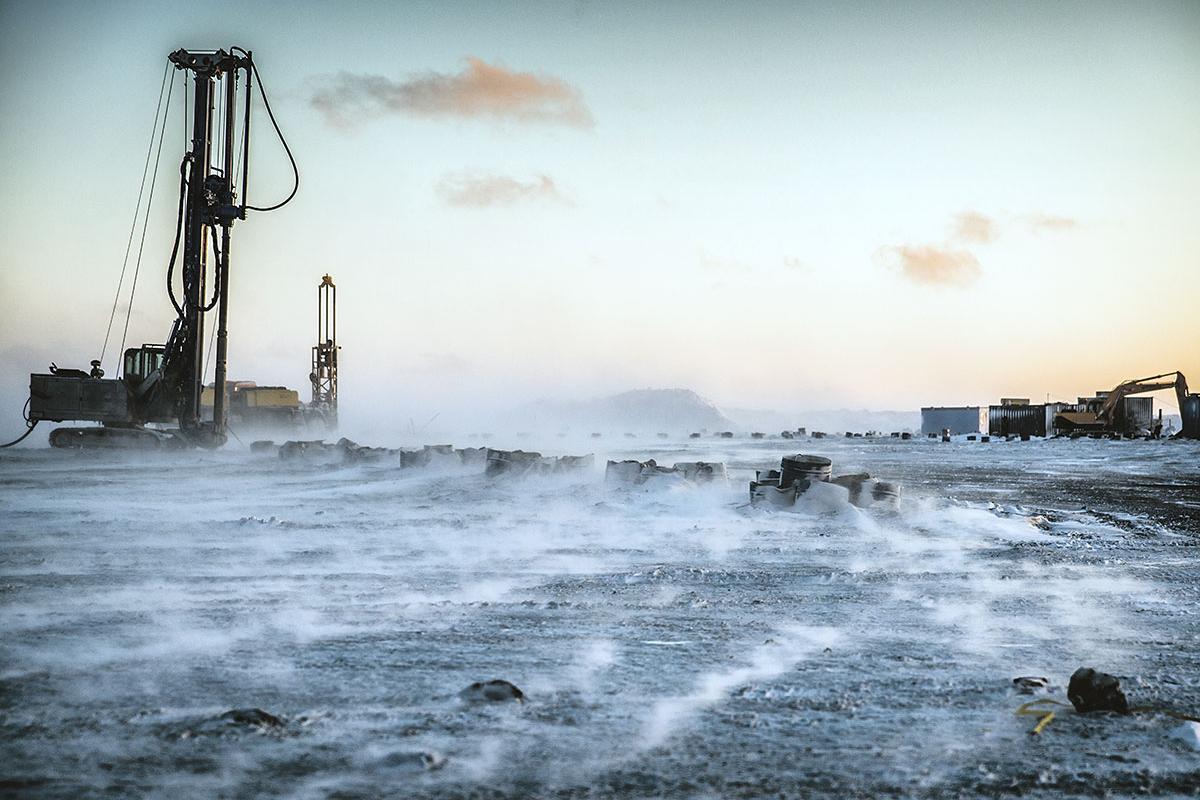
{"x": 1048, "y": 223}
{"x": 933, "y": 265}
{"x": 974, "y": 228}
{"x": 719, "y": 264}
{"x": 480, "y": 90}
{"x": 475, "y": 190}
{"x": 793, "y": 263}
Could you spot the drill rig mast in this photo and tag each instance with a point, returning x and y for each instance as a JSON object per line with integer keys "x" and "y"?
{"x": 325, "y": 353}
{"x": 164, "y": 383}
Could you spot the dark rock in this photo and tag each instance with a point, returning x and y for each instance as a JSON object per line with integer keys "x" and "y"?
{"x": 303, "y": 449}
{"x": 702, "y": 471}
{"x": 494, "y": 691}
{"x": 1090, "y": 690}
{"x": 422, "y": 760}
{"x": 1028, "y": 684}
{"x": 510, "y": 462}
{"x": 255, "y": 717}
{"x": 263, "y": 446}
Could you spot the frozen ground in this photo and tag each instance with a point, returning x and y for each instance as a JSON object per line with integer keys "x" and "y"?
{"x": 671, "y": 644}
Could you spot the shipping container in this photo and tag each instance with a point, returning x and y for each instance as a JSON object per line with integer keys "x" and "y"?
{"x": 1190, "y": 411}
{"x": 1017, "y": 420}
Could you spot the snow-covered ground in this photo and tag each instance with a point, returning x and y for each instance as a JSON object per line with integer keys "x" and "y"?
{"x": 671, "y": 642}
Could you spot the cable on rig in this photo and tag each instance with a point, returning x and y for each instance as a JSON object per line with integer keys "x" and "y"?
{"x": 145, "y": 223}
{"x": 158, "y": 109}
{"x": 270, "y": 114}
{"x": 30, "y": 424}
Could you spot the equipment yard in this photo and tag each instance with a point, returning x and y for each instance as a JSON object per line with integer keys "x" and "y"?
{"x": 286, "y": 628}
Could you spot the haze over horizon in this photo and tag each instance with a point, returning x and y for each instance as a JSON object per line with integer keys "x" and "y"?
{"x": 776, "y": 205}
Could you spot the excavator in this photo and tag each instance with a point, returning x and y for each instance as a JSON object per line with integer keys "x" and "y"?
{"x": 157, "y": 400}
{"x": 1188, "y": 403}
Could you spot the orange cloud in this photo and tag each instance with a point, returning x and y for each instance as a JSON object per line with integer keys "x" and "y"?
{"x": 483, "y": 191}
{"x": 480, "y": 90}
{"x": 973, "y": 227}
{"x": 929, "y": 264}
{"x": 1049, "y": 223}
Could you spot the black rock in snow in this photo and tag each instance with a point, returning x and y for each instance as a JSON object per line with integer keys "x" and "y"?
{"x": 495, "y": 691}
{"x": 255, "y": 717}
{"x": 1090, "y": 690}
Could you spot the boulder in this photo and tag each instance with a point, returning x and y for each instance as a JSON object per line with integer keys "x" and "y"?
{"x": 1090, "y": 690}
{"x": 252, "y": 717}
{"x": 493, "y": 691}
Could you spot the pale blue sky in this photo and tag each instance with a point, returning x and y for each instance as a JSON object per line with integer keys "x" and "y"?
{"x": 730, "y": 223}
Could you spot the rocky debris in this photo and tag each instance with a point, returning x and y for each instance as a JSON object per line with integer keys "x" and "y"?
{"x": 627, "y": 472}
{"x": 771, "y": 494}
{"x": 234, "y": 722}
{"x": 429, "y": 455}
{"x": 354, "y": 453}
{"x": 264, "y": 446}
{"x": 510, "y": 462}
{"x": 253, "y": 717}
{"x": 515, "y": 463}
{"x": 472, "y": 456}
{"x": 787, "y": 435}
{"x": 801, "y": 467}
{"x": 493, "y": 691}
{"x": 1090, "y": 690}
{"x": 1029, "y": 684}
{"x": 758, "y": 435}
{"x": 567, "y": 464}
{"x": 702, "y": 471}
{"x": 424, "y": 760}
{"x": 805, "y": 481}
{"x": 636, "y": 473}
{"x": 304, "y": 449}
{"x": 725, "y": 434}
{"x": 865, "y": 491}
{"x": 853, "y": 483}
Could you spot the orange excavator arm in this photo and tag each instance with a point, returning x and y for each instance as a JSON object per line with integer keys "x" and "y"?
{"x": 1141, "y": 386}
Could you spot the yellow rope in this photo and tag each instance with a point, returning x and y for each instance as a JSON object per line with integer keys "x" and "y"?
{"x": 1045, "y": 716}
{"x": 1037, "y": 708}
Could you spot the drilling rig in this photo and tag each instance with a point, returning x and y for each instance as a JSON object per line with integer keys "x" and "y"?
{"x": 325, "y": 354}
{"x": 162, "y": 384}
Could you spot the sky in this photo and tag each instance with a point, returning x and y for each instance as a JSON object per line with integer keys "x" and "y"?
{"x": 778, "y": 205}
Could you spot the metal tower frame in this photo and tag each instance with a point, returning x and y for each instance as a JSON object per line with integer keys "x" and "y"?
{"x": 325, "y": 353}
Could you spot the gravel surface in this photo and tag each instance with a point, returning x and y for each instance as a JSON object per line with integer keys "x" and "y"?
{"x": 671, "y": 641}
